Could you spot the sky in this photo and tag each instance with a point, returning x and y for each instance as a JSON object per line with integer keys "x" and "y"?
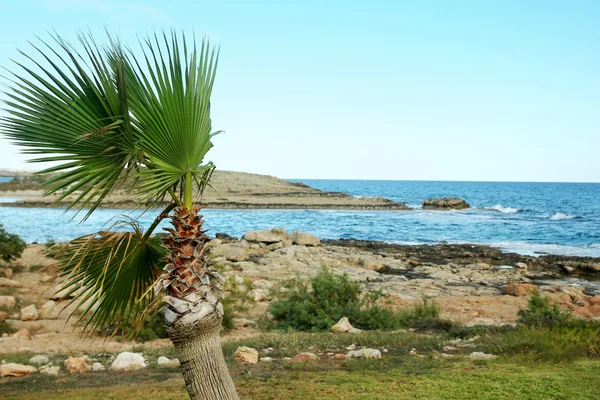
{"x": 398, "y": 90}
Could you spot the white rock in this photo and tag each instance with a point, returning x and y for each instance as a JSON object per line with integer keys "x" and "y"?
{"x": 167, "y": 362}
{"x": 127, "y": 361}
{"x": 246, "y": 355}
{"x": 49, "y": 310}
{"x": 50, "y": 369}
{"x": 266, "y": 359}
{"x": 342, "y": 326}
{"x": 29, "y": 313}
{"x": 7, "y": 301}
{"x": 305, "y": 239}
{"x": 260, "y": 295}
{"x": 477, "y": 355}
{"x": 354, "y": 330}
{"x": 98, "y": 367}
{"x": 364, "y": 353}
{"x": 12, "y": 369}
{"x": 448, "y": 349}
{"x": 39, "y": 359}
{"x": 412, "y": 352}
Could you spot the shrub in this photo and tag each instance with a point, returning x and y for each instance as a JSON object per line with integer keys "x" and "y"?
{"x": 540, "y": 314}
{"x": 237, "y": 300}
{"x": 11, "y": 246}
{"x": 329, "y": 297}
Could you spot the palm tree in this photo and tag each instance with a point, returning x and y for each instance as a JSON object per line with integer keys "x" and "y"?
{"x": 108, "y": 116}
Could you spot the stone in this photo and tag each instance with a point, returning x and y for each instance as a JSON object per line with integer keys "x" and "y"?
{"x": 246, "y": 355}
{"x": 372, "y": 264}
{"x": 50, "y": 369}
{"x": 23, "y": 334}
{"x": 522, "y": 266}
{"x": 98, "y": 367}
{"x": 304, "y": 239}
{"x": 266, "y": 359}
{"x": 354, "y": 330}
{"x": 342, "y": 326}
{"x": 477, "y": 355}
{"x": 262, "y": 284}
{"x": 167, "y": 362}
{"x": 304, "y": 357}
{"x": 12, "y": 369}
{"x": 49, "y": 310}
{"x": 127, "y": 361}
{"x": 445, "y": 203}
{"x": 267, "y": 236}
{"x": 77, "y": 365}
{"x": 413, "y": 352}
{"x": 242, "y": 322}
{"x": 260, "y": 295}
{"x": 10, "y": 283}
{"x": 364, "y": 353}
{"x": 7, "y": 301}
{"x": 519, "y": 289}
{"x": 3, "y": 315}
{"x": 448, "y": 349}
{"x": 39, "y": 359}
{"x": 339, "y": 356}
{"x": 29, "y": 313}
{"x": 230, "y": 252}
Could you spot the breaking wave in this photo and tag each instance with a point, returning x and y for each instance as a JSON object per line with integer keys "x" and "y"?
{"x": 560, "y": 216}
{"x": 504, "y": 210}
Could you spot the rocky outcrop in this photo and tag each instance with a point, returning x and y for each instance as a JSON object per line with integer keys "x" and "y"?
{"x": 304, "y": 239}
{"x": 519, "y": 289}
{"x": 246, "y": 355}
{"x": 267, "y": 236}
{"x": 230, "y": 252}
{"x": 445, "y": 203}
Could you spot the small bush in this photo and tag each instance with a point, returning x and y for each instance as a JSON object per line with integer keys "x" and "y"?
{"x": 7, "y": 328}
{"x": 237, "y": 300}
{"x": 11, "y": 246}
{"x": 540, "y": 314}
{"x": 329, "y": 297}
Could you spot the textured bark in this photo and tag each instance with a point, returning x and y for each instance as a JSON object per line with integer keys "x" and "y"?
{"x": 193, "y": 308}
{"x": 199, "y": 351}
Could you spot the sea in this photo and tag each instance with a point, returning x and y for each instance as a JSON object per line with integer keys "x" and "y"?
{"x": 527, "y": 218}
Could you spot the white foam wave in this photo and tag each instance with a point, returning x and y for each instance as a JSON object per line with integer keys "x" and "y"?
{"x": 504, "y": 210}
{"x": 560, "y": 216}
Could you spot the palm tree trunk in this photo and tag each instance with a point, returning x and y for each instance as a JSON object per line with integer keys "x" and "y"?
{"x": 198, "y": 348}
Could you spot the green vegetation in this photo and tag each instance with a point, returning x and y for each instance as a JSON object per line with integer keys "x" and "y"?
{"x": 237, "y": 300}
{"x": 315, "y": 307}
{"x": 11, "y": 246}
{"x": 540, "y": 314}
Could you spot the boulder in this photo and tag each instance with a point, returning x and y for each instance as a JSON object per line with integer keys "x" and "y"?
{"x": 77, "y": 365}
{"x": 445, "y": 203}
{"x": 519, "y": 289}
{"x": 304, "y": 357}
{"x": 246, "y": 355}
{"x": 260, "y": 295}
{"x": 98, "y": 367}
{"x": 267, "y": 236}
{"x": 304, "y": 239}
{"x": 364, "y": 353}
{"x": 342, "y": 326}
{"x": 7, "y": 301}
{"x": 230, "y": 252}
{"x": 39, "y": 360}
{"x": 23, "y": 334}
{"x": 50, "y": 369}
{"x": 29, "y": 313}
{"x": 10, "y": 283}
{"x": 12, "y": 369}
{"x": 167, "y": 362}
{"x": 49, "y": 310}
{"x": 477, "y": 355}
{"x": 262, "y": 284}
{"x": 127, "y": 361}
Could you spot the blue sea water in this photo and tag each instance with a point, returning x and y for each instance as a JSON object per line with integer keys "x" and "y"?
{"x": 558, "y": 218}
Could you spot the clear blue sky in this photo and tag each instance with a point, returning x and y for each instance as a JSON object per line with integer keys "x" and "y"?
{"x": 445, "y": 90}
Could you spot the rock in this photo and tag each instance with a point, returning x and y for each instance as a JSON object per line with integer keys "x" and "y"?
{"x": 12, "y": 369}
{"x": 3, "y": 316}
{"x": 445, "y": 203}
{"x": 372, "y": 264}
{"x": 262, "y": 284}
{"x": 304, "y": 357}
{"x": 413, "y": 352}
{"x": 50, "y": 369}
{"x": 519, "y": 289}
{"x": 522, "y": 266}
{"x": 354, "y": 330}
{"x": 7, "y": 301}
{"x": 49, "y": 310}
{"x": 364, "y": 353}
{"x": 230, "y": 252}
{"x": 477, "y": 355}
{"x": 304, "y": 239}
{"x": 127, "y": 361}
{"x": 479, "y": 321}
{"x": 10, "y": 283}
{"x": 266, "y": 359}
{"x": 77, "y": 365}
{"x": 267, "y": 236}
{"x": 260, "y": 295}
{"x": 339, "y": 356}
{"x": 98, "y": 367}
{"x": 167, "y": 362}
{"x": 448, "y": 349}
{"x": 213, "y": 243}
{"x": 242, "y": 322}
{"x": 29, "y": 313}
{"x": 23, "y": 334}
{"x": 246, "y": 355}
{"x": 7, "y": 272}
{"x": 39, "y": 360}
{"x": 342, "y": 326}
